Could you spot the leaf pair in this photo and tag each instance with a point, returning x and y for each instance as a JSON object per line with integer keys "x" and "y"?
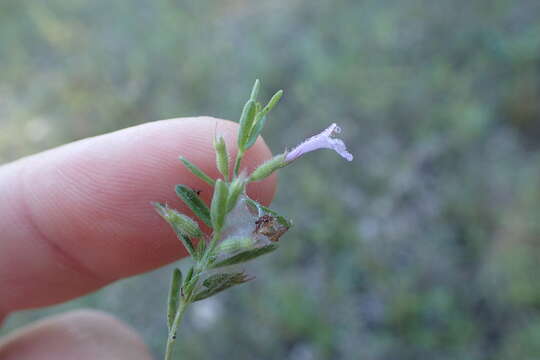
{"x": 253, "y": 117}
{"x": 184, "y": 226}
{"x": 260, "y": 119}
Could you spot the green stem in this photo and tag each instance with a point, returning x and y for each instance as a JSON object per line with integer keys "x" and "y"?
{"x": 171, "y": 339}
{"x": 239, "y": 157}
{"x": 185, "y": 301}
{"x": 214, "y": 241}
{"x": 202, "y": 265}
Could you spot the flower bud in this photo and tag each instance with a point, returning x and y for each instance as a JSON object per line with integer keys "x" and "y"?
{"x": 218, "y": 208}
{"x": 235, "y": 243}
{"x": 222, "y": 157}
{"x": 184, "y": 227}
{"x": 181, "y": 223}
{"x": 267, "y": 168}
{"x": 246, "y": 123}
{"x": 235, "y": 189}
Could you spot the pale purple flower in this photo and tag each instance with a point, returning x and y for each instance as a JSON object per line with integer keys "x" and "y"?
{"x": 324, "y": 140}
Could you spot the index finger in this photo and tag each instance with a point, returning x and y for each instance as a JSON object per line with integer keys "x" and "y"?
{"x": 78, "y": 217}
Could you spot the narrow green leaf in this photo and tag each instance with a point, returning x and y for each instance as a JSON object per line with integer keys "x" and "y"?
{"x": 256, "y": 131}
{"x": 255, "y": 90}
{"x": 258, "y": 107}
{"x": 246, "y": 255}
{"x": 273, "y": 102}
{"x": 183, "y": 226}
{"x": 194, "y": 202}
{"x": 218, "y": 208}
{"x": 189, "y": 275}
{"x": 174, "y": 293}
{"x": 188, "y": 245}
{"x": 189, "y": 283}
{"x": 201, "y": 248}
{"x": 196, "y": 171}
{"x": 222, "y": 157}
{"x": 246, "y": 123}
{"x": 219, "y": 282}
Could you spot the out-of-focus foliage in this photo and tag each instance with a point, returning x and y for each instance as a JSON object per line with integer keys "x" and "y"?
{"x": 426, "y": 247}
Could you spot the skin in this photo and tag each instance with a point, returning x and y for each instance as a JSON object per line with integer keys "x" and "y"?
{"x": 78, "y": 217}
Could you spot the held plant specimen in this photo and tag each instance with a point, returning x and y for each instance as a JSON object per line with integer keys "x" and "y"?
{"x": 242, "y": 229}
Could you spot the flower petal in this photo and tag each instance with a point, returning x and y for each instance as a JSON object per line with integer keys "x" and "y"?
{"x": 324, "y": 140}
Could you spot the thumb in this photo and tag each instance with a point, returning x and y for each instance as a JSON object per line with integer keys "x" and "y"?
{"x": 81, "y": 335}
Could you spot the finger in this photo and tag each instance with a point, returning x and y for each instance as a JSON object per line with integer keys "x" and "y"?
{"x": 78, "y": 217}
{"x": 81, "y": 335}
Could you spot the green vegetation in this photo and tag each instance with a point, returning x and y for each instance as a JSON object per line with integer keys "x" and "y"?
{"x": 431, "y": 246}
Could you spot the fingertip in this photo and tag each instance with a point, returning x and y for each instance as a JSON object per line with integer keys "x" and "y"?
{"x": 80, "y": 216}
{"x": 167, "y": 141}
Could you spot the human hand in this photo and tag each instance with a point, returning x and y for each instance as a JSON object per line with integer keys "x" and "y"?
{"x": 78, "y": 217}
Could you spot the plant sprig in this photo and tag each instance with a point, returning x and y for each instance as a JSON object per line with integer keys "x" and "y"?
{"x": 242, "y": 229}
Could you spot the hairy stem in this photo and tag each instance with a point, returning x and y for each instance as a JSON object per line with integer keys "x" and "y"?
{"x": 171, "y": 339}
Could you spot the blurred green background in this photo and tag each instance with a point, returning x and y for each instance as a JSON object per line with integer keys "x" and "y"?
{"x": 427, "y": 246}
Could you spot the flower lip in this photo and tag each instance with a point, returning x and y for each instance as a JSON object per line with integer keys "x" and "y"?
{"x": 323, "y": 140}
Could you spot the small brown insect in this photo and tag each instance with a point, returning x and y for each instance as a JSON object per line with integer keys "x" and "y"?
{"x": 198, "y": 192}
{"x": 268, "y": 226}
{"x": 262, "y": 221}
